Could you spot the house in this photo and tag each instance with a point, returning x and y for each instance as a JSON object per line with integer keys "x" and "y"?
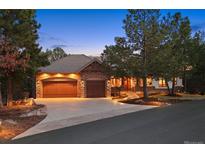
{"x": 136, "y": 84}
{"x": 83, "y": 76}
{"x": 73, "y": 76}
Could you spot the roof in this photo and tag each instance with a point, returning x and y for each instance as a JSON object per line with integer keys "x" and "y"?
{"x": 69, "y": 64}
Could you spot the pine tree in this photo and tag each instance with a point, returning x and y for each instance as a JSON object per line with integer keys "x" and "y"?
{"x": 172, "y": 56}
{"x": 18, "y": 41}
{"x": 142, "y": 30}
{"x": 55, "y": 54}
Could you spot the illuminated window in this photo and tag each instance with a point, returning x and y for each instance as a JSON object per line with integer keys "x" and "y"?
{"x": 115, "y": 82}
{"x": 140, "y": 82}
{"x": 149, "y": 81}
{"x": 119, "y": 82}
{"x": 162, "y": 82}
{"x": 112, "y": 82}
{"x": 175, "y": 80}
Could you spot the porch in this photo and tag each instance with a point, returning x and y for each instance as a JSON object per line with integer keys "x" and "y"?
{"x": 130, "y": 85}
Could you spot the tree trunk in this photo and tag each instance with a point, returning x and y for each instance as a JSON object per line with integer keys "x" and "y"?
{"x": 33, "y": 89}
{"x": 122, "y": 83}
{"x": 185, "y": 82}
{"x": 1, "y": 102}
{"x": 169, "y": 91}
{"x": 145, "y": 87}
{"x": 173, "y": 86}
{"x": 9, "y": 91}
{"x": 127, "y": 84}
{"x": 136, "y": 84}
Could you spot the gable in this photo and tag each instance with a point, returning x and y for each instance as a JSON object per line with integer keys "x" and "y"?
{"x": 93, "y": 67}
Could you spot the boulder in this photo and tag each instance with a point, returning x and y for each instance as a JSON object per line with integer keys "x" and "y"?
{"x": 133, "y": 97}
{"x": 139, "y": 101}
{"x": 11, "y": 121}
{"x": 30, "y": 102}
{"x": 38, "y": 112}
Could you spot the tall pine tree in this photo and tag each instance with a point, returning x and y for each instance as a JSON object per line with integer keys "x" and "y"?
{"x": 142, "y": 30}
{"x": 18, "y": 38}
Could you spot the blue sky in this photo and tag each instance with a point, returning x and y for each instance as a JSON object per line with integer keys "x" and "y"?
{"x": 88, "y": 31}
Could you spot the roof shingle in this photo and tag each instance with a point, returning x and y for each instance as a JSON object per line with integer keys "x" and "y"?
{"x": 69, "y": 64}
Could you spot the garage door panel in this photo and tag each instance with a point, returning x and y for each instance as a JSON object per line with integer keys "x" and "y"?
{"x": 95, "y": 88}
{"x": 60, "y": 89}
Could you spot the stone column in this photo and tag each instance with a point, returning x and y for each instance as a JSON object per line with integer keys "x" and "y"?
{"x": 108, "y": 88}
{"x": 83, "y": 88}
{"x": 38, "y": 89}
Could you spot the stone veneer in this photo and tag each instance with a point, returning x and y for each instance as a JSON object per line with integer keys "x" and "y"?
{"x": 93, "y": 71}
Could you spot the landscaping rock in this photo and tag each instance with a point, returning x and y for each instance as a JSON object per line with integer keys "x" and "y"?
{"x": 38, "y": 112}
{"x": 139, "y": 101}
{"x": 30, "y": 102}
{"x": 26, "y": 101}
{"x": 11, "y": 121}
{"x": 133, "y": 97}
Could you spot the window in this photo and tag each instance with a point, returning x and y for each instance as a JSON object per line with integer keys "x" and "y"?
{"x": 175, "y": 81}
{"x": 149, "y": 82}
{"x": 115, "y": 82}
{"x": 140, "y": 82}
{"x": 112, "y": 82}
{"x": 162, "y": 82}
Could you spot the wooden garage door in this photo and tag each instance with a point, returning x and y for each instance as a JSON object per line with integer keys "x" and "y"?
{"x": 95, "y": 88}
{"x": 53, "y": 89}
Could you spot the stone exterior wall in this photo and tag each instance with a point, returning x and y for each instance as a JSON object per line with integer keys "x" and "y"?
{"x": 82, "y": 89}
{"x": 108, "y": 89}
{"x": 95, "y": 72}
{"x": 39, "y": 89}
{"x": 92, "y": 72}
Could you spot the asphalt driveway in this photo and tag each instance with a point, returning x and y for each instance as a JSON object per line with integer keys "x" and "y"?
{"x": 65, "y": 112}
{"x": 181, "y": 123}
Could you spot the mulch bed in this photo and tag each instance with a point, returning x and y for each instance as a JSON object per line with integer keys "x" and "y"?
{"x": 149, "y": 101}
{"x": 9, "y": 130}
{"x": 16, "y": 111}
